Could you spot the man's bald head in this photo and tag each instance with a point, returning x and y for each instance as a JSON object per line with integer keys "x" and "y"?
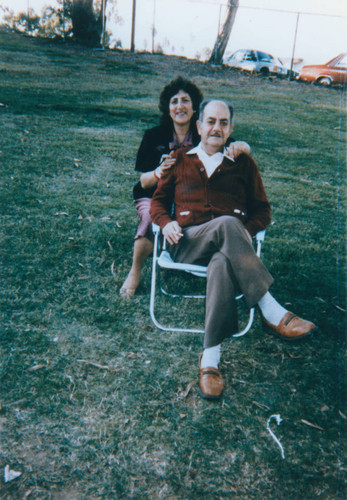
{"x": 214, "y": 125}
{"x": 209, "y": 101}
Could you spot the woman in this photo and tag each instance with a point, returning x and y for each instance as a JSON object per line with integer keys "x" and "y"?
{"x": 179, "y": 104}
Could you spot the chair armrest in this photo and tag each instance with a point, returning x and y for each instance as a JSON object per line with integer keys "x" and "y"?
{"x": 260, "y": 236}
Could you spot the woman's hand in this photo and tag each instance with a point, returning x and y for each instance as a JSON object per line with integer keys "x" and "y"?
{"x": 172, "y": 232}
{"x": 238, "y": 147}
{"x": 166, "y": 162}
{"x": 150, "y": 179}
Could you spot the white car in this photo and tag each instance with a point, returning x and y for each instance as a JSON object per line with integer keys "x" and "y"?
{"x": 255, "y": 60}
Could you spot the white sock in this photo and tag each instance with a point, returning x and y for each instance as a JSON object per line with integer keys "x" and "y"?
{"x": 272, "y": 311}
{"x": 211, "y": 357}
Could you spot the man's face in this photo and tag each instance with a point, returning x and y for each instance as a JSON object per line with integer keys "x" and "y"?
{"x": 215, "y": 127}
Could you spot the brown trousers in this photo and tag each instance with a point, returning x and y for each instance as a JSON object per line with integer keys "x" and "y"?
{"x": 224, "y": 245}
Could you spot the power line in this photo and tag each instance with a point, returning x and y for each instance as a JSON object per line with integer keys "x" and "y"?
{"x": 250, "y": 7}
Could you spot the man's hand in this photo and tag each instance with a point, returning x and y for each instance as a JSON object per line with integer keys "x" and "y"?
{"x": 238, "y": 147}
{"x": 172, "y": 232}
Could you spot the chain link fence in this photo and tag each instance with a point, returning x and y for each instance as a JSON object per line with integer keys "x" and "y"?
{"x": 189, "y": 28}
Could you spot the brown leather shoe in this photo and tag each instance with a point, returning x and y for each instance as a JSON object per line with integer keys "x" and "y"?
{"x": 292, "y": 327}
{"x": 211, "y": 382}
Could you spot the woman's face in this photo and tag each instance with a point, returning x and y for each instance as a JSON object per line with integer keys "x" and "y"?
{"x": 181, "y": 108}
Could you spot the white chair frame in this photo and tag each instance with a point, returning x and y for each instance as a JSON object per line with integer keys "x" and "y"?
{"x": 163, "y": 260}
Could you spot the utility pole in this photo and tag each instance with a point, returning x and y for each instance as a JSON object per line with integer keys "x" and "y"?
{"x": 132, "y": 47}
{"x": 103, "y": 25}
{"x": 294, "y": 45}
{"x": 64, "y": 34}
{"x": 153, "y": 27}
{"x": 28, "y": 18}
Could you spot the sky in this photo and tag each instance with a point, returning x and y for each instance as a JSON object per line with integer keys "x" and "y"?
{"x": 189, "y": 27}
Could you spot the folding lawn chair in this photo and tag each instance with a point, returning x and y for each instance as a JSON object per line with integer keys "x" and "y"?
{"x": 162, "y": 260}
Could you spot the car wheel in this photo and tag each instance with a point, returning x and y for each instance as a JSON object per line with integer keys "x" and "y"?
{"x": 264, "y": 71}
{"x": 325, "y": 80}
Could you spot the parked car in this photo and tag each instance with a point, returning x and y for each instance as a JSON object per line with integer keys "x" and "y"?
{"x": 255, "y": 60}
{"x": 334, "y": 71}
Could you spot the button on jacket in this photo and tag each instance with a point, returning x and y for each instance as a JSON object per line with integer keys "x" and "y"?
{"x": 235, "y": 188}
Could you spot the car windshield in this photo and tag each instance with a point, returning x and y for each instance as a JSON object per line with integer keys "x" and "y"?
{"x": 342, "y": 63}
{"x": 265, "y": 57}
{"x": 238, "y": 56}
{"x": 250, "y": 56}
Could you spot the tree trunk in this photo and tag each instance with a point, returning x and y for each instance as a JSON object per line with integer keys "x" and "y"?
{"x": 223, "y": 37}
{"x": 86, "y": 25}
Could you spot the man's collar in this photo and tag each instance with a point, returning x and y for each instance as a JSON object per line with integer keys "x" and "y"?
{"x": 193, "y": 151}
{"x": 198, "y": 149}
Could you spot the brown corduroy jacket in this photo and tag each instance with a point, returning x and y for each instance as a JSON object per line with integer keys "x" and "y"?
{"x": 187, "y": 195}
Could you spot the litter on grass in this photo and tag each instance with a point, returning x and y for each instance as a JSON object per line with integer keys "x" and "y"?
{"x": 91, "y": 363}
{"x": 10, "y": 475}
{"x": 306, "y": 422}
{"x": 277, "y": 441}
{"x": 112, "y": 269}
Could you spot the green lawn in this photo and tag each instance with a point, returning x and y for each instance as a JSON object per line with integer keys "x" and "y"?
{"x": 94, "y": 400}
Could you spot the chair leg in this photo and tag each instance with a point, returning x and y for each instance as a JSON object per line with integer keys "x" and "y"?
{"x": 155, "y": 272}
{"x": 156, "y": 277}
{"x": 152, "y": 310}
{"x": 248, "y": 326}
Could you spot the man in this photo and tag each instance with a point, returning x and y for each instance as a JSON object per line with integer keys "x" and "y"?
{"x": 219, "y": 204}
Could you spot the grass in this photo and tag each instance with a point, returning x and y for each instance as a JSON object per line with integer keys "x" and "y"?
{"x": 97, "y": 403}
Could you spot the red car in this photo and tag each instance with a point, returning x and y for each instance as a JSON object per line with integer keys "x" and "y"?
{"x": 334, "y": 71}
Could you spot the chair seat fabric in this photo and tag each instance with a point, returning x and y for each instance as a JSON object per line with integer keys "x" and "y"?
{"x": 165, "y": 261}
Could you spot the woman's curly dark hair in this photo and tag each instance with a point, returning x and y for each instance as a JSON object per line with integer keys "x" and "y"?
{"x": 172, "y": 89}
